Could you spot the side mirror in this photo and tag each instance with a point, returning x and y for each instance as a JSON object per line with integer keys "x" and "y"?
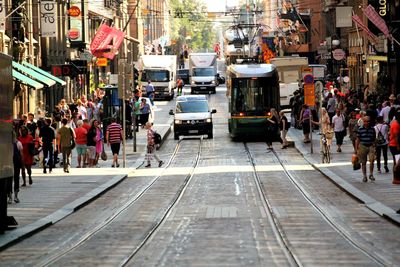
{"x": 213, "y": 111}
{"x": 171, "y": 112}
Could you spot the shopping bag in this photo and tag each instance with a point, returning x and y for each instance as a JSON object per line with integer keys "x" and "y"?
{"x": 355, "y": 162}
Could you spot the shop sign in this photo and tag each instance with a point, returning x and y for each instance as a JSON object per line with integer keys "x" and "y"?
{"x": 2, "y": 15}
{"x": 48, "y": 14}
{"x": 338, "y": 54}
{"x": 309, "y": 94}
{"x": 74, "y": 11}
{"x": 102, "y": 62}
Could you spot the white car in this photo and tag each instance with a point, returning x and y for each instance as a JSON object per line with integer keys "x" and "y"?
{"x": 192, "y": 116}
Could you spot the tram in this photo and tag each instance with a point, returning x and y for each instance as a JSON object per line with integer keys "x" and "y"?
{"x": 252, "y": 90}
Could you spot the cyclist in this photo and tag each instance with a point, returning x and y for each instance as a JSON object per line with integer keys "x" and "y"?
{"x": 326, "y": 130}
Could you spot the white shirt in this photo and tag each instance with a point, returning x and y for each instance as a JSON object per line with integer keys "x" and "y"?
{"x": 338, "y": 123}
{"x": 383, "y": 128}
{"x": 385, "y": 113}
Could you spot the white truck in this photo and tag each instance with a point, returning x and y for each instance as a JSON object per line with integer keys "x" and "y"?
{"x": 290, "y": 75}
{"x": 203, "y": 72}
{"x": 161, "y": 71}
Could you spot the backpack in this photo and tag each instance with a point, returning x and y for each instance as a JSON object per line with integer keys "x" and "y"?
{"x": 380, "y": 139}
{"x": 157, "y": 138}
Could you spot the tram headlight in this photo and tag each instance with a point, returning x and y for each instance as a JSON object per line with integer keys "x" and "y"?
{"x": 178, "y": 122}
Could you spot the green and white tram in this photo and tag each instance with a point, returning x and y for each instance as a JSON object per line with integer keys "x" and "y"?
{"x": 252, "y": 90}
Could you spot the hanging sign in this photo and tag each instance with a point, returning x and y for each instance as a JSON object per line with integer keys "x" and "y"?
{"x": 48, "y": 14}
{"x": 2, "y": 15}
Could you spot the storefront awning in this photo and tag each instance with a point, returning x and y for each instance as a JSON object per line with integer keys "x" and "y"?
{"x": 26, "y": 80}
{"x": 33, "y": 74}
{"x": 48, "y": 75}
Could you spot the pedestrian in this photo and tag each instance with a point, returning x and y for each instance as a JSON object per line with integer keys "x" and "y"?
{"x": 151, "y": 147}
{"x": 91, "y": 143}
{"x": 305, "y": 122}
{"x": 325, "y": 128}
{"x": 17, "y": 164}
{"x": 114, "y": 139}
{"x": 272, "y": 128}
{"x": 81, "y": 143}
{"x": 150, "y": 92}
{"x": 338, "y": 127}
{"x": 365, "y": 148}
{"x": 293, "y": 108}
{"x": 99, "y": 143}
{"x": 48, "y": 136}
{"x": 28, "y": 144}
{"x": 82, "y": 111}
{"x": 331, "y": 106}
{"x": 381, "y": 130}
{"x": 353, "y": 128}
{"x": 284, "y": 126}
{"x": 144, "y": 112}
{"x": 394, "y": 145}
{"x": 179, "y": 84}
{"x": 65, "y": 142}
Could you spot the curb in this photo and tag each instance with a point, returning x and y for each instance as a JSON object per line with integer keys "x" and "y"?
{"x": 19, "y": 234}
{"x": 371, "y": 203}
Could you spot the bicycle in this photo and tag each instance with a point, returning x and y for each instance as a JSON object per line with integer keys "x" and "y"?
{"x": 325, "y": 149}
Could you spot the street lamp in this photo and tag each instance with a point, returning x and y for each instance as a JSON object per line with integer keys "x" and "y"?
{"x": 335, "y": 42}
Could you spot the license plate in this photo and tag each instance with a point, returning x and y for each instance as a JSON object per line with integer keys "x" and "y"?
{"x": 203, "y": 88}
{"x": 193, "y": 131}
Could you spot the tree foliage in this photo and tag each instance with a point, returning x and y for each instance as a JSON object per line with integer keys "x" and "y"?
{"x": 189, "y": 25}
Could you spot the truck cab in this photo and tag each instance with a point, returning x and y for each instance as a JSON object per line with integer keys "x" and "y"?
{"x": 161, "y": 70}
{"x": 203, "y": 72}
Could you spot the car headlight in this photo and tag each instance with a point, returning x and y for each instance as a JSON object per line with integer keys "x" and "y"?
{"x": 178, "y": 122}
{"x": 208, "y": 120}
{"x": 193, "y": 82}
{"x": 213, "y": 82}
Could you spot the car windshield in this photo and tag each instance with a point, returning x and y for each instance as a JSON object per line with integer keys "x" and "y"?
{"x": 192, "y": 107}
{"x": 155, "y": 75}
{"x": 203, "y": 72}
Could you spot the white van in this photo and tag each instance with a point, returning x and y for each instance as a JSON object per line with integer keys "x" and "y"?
{"x": 192, "y": 116}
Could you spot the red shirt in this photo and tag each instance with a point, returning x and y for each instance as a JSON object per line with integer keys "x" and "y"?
{"x": 394, "y": 133}
{"x": 86, "y": 126}
{"x": 81, "y": 134}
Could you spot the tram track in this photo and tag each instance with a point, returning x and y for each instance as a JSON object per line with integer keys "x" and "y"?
{"x": 125, "y": 206}
{"x": 286, "y": 245}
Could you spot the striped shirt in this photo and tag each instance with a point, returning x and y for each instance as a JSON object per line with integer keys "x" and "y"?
{"x": 114, "y": 133}
{"x": 366, "y": 135}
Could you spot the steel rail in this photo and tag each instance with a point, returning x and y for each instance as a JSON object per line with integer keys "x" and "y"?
{"x": 173, "y": 204}
{"x": 273, "y": 220}
{"x": 53, "y": 258}
{"x": 322, "y": 211}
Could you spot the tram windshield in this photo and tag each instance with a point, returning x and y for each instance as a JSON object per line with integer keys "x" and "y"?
{"x": 155, "y": 75}
{"x": 192, "y": 107}
{"x": 253, "y": 95}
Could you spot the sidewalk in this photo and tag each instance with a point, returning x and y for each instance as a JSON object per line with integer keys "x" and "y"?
{"x": 54, "y": 196}
{"x": 380, "y": 196}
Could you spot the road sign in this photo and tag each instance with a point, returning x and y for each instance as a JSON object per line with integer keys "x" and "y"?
{"x": 309, "y": 94}
{"x": 308, "y": 79}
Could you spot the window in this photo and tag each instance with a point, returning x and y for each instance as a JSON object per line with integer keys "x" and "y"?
{"x": 203, "y": 72}
{"x": 192, "y": 107}
{"x": 155, "y": 75}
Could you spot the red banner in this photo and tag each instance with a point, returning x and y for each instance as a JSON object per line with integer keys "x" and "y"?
{"x": 106, "y": 42}
{"x": 374, "y": 17}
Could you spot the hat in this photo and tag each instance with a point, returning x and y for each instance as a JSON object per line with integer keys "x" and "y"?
{"x": 392, "y": 97}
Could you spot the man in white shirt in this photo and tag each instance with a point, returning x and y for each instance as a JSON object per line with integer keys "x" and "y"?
{"x": 385, "y": 112}
{"x": 339, "y": 129}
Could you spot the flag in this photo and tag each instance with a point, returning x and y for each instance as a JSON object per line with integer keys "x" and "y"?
{"x": 374, "y": 17}
{"x": 106, "y": 42}
{"x": 360, "y": 24}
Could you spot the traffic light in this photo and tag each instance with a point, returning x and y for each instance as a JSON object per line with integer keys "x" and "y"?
{"x": 135, "y": 77}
